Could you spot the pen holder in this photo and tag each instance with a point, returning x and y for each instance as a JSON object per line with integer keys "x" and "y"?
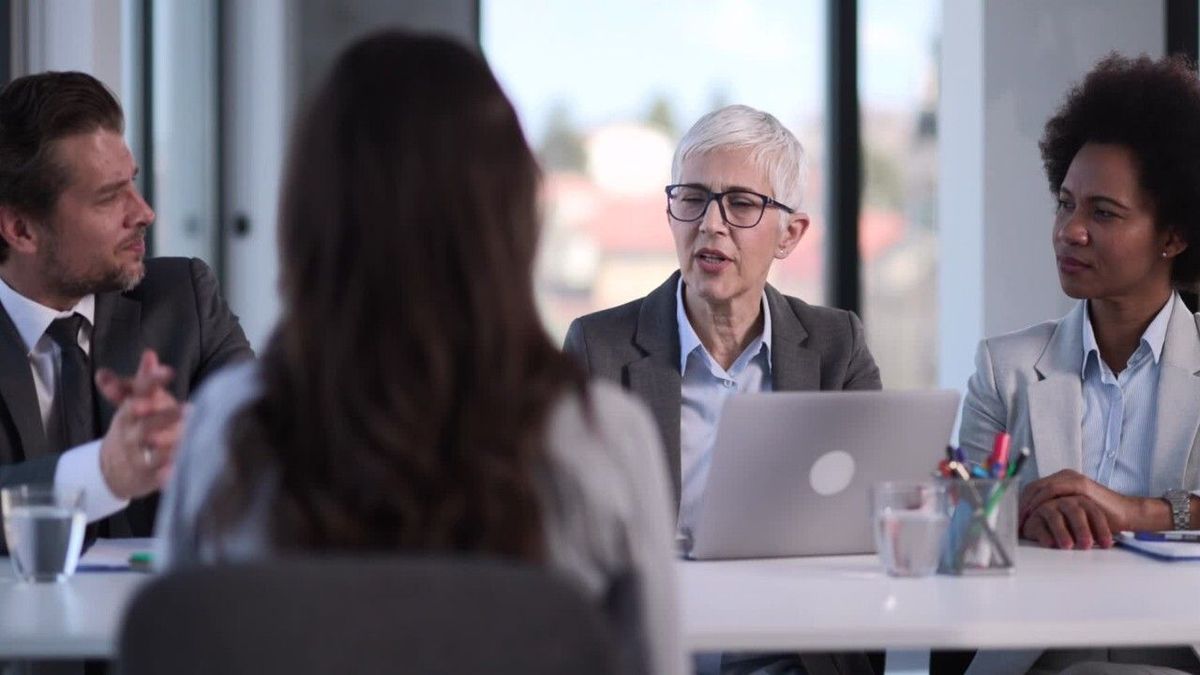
{"x": 982, "y": 536}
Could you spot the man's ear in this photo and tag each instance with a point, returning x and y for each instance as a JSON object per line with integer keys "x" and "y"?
{"x": 1176, "y": 244}
{"x": 18, "y": 230}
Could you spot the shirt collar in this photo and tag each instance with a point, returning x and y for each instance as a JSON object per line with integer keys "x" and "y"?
{"x": 32, "y": 318}
{"x": 688, "y": 340}
{"x": 1154, "y": 337}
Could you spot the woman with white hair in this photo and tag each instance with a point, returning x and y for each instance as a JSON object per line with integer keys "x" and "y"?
{"x": 716, "y": 327}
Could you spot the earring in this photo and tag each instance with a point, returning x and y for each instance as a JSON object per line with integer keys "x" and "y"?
{"x": 1164, "y": 254}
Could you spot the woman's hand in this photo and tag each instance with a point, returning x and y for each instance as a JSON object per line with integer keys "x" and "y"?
{"x": 1059, "y": 505}
{"x": 1074, "y": 521}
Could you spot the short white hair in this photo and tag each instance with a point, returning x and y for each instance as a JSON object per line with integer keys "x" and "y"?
{"x": 773, "y": 149}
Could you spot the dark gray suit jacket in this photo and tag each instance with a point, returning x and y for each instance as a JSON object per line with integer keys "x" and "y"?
{"x": 177, "y": 311}
{"x": 637, "y": 345}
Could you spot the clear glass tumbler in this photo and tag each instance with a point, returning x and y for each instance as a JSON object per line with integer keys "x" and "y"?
{"x": 44, "y": 527}
{"x": 910, "y": 521}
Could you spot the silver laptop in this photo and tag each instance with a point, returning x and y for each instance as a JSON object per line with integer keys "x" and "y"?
{"x": 791, "y": 471}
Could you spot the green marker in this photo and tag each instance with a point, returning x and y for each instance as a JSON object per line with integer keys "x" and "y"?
{"x": 141, "y": 562}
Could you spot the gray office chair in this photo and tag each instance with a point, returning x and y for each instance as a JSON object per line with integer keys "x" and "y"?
{"x": 376, "y": 615}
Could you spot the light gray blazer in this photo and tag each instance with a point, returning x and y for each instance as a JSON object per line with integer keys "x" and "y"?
{"x": 637, "y": 346}
{"x": 1028, "y": 383}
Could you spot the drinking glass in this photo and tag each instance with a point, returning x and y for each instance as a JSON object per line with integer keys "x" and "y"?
{"x": 910, "y": 524}
{"x": 44, "y": 527}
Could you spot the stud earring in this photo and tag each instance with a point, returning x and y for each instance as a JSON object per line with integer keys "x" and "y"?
{"x": 1164, "y": 254}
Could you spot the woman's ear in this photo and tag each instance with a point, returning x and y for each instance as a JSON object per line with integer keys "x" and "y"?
{"x": 793, "y": 231}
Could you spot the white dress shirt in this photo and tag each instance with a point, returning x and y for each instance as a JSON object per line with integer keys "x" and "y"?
{"x": 705, "y": 388}
{"x": 1118, "y": 410}
{"x": 78, "y": 466}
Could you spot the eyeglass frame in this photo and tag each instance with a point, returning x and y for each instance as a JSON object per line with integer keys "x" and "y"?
{"x": 717, "y": 197}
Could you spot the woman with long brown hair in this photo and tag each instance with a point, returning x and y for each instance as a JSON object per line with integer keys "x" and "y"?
{"x": 410, "y": 399}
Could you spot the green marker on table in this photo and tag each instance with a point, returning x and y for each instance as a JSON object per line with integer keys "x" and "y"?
{"x": 141, "y": 562}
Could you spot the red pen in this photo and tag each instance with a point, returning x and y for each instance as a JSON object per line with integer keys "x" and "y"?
{"x": 998, "y": 461}
{"x": 944, "y": 468}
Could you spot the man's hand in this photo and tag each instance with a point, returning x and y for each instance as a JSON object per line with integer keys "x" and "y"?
{"x": 1058, "y": 506}
{"x": 136, "y": 453}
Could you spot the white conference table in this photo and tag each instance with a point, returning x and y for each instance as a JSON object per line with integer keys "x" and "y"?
{"x": 76, "y": 619}
{"x": 1053, "y": 599}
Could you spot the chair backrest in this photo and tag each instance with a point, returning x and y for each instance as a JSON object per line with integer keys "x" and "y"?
{"x": 389, "y": 615}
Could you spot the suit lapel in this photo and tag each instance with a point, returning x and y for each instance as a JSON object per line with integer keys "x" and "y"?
{"x": 1056, "y": 400}
{"x": 1175, "y": 460}
{"x": 16, "y": 387}
{"x": 793, "y": 366}
{"x": 655, "y": 377}
{"x": 116, "y": 342}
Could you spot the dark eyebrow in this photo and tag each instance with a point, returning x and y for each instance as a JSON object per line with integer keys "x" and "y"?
{"x": 1095, "y": 198}
{"x": 118, "y": 184}
{"x": 1101, "y": 198}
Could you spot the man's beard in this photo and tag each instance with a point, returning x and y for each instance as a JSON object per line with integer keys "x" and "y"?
{"x": 77, "y": 284}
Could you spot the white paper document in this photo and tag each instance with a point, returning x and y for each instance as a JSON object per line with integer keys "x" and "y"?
{"x": 1185, "y": 547}
{"x": 113, "y": 554}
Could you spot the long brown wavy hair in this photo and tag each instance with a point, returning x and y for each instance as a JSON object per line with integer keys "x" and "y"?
{"x": 407, "y": 387}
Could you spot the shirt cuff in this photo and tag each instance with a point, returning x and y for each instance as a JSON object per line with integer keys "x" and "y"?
{"x": 80, "y": 467}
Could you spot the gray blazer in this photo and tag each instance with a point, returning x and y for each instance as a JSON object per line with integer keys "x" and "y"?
{"x": 637, "y": 346}
{"x": 177, "y": 311}
{"x": 1028, "y": 383}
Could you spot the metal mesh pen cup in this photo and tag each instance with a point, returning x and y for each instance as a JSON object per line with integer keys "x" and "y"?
{"x": 982, "y": 536}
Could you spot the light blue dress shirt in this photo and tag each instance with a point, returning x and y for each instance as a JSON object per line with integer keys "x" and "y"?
{"x": 1118, "y": 410}
{"x": 706, "y": 386}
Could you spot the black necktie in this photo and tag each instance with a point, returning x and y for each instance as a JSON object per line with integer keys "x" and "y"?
{"x": 73, "y": 421}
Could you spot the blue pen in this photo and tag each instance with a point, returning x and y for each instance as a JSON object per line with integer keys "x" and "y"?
{"x": 1182, "y": 537}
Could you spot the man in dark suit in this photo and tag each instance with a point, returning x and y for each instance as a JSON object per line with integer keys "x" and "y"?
{"x": 716, "y": 328}
{"x": 80, "y": 307}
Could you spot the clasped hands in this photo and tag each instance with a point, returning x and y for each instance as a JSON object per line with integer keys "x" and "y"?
{"x": 1070, "y": 510}
{"x": 137, "y": 451}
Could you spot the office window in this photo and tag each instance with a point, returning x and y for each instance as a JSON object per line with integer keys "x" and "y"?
{"x": 604, "y": 91}
{"x": 898, "y": 244}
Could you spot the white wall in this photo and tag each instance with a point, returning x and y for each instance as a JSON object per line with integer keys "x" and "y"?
{"x": 85, "y": 35}
{"x": 1006, "y": 66}
{"x": 99, "y": 37}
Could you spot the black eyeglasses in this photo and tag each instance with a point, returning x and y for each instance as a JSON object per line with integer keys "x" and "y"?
{"x": 739, "y": 208}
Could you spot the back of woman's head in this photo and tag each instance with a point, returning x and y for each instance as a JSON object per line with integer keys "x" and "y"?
{"x": 410, "y": 189}
{"x": 407, "y": 385}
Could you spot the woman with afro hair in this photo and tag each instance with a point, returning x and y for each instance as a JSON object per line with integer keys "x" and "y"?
{"x": 1107, "y": 398}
